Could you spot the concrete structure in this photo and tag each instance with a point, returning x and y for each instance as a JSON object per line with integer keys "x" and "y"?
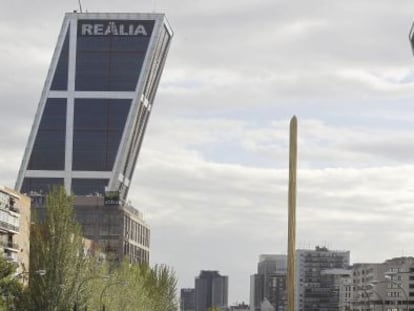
{"x": 269, "y": 283}
{"x": 256, "y": 291}
{"x": 187, "y": 299}
{"x": 384, "y": 286}
{"x": 363, "y": 276}
{"x": 336, "y": 279}
{"x": 345, "y": 292}
{"x": 115, "y": 228}
{"x": 266, "y": 306}
{"x": 94, "y": 109}
{"x": 239, "y": 307}
{"x": 211, "y": 290}
{"x": 291, "y": 282}
{"x": 15, "y": 227}
{"x": 317, "y": 290}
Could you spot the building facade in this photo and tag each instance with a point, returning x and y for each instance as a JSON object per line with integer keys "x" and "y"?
{"x": 15, "y": 228}
{"x": 187, "y": 299}
{"x": 239, "y": 307}
{"x": 211, "y": 290}
{"x": 345, "y": 292}
{"x": 269, "y": 284}
{"x": 383, "y": 286}
{"x": 93, "y": 112}
{"x": 96, "y": 101}
{"x": 317, "y": 290}
{"x": 117, "y": 229}
{"x": 256, "y": 291}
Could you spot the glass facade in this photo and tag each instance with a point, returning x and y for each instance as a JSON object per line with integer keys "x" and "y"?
{"x": 40, "y": 185}
{"x": 91, "y": 121}
{"x": 149, "y": 91}
{"x": 85, "y": 186}
{"x": 49, "y": 146}
{"x": 107, "y": 68}
{"x": 60, "y": 79}
{"x": 97, "y": 133}
{"x": 109, "y": 56}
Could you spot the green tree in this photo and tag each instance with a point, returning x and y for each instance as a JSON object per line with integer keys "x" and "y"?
{"x": 72, "y": 279}
{"x": 57, "y": 247}
{"x": 160, "y": 284}
{"x": 133, "y": 287}
{"x": 10, "y": 288}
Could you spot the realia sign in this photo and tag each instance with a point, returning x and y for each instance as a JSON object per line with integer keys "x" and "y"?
{"x": 114, "y": 28}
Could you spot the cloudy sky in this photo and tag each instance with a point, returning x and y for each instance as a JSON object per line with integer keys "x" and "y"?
{"x": 212, "y": 175}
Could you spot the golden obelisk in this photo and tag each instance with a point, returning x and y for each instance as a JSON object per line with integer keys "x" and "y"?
{"x": 292, "y": 214}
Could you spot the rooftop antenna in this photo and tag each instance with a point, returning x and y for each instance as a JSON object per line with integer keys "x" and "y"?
{"x": 80, "y": 5}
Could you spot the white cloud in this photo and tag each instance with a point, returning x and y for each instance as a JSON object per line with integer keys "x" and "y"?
{"x": 212, "y": 176}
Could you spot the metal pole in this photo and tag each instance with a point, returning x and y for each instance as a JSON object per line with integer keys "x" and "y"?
{"x": 105, "y": 288}
{"x": 382, "y": 299}
{"x": 292, "y": 215}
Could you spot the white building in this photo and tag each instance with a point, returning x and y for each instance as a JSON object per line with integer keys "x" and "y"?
{"x": 15, "y": 228}
{"x": 316, "y": 289}
{"x": 384, "y": 286}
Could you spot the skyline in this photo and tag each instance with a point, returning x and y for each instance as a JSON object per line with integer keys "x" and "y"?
{"x": 212, "y": 175}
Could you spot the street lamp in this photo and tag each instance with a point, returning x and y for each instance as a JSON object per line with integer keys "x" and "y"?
{"x": 388, "y": 279}
{"x": 102, "y": 306}
{"x": 75, "y": 306}
{"x": 364, "y": 289}
{"x": 372, "y": 285}
{"x": 40, "y": 272}
{"x": 388, "y": 276}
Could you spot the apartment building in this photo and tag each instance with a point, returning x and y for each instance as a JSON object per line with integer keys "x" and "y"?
{"x": 15, "y": 227}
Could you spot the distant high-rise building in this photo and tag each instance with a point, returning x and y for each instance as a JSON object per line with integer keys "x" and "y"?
{"x": 256, "y": 291}
{"x": 316, "y": 289}
{"x": 211, "y": 290}
{"x": 187, "y": 299}
{"x": 92, "y": 116}
{"x": 269, "y": 284}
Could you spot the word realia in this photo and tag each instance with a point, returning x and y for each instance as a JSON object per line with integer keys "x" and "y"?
{"x": 112, "y": 28}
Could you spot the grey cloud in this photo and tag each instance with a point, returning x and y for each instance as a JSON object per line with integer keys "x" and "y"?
{"x": 236, "y": 73}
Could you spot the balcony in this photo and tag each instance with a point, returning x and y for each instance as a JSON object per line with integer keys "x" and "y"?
{"x": 8, "y": 227}
{"x": 15, "y": 209}
{"x": 11, "y": 258}
{"x": 14, "y": 247}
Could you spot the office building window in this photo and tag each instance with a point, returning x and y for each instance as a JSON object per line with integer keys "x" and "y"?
{"x": 49, "y": 147}
{"x": 98, "y": 128}
{"x": 40, "y": 185}
{"x": 110, "y": 62}
{"x": 60, "y": 79}
{"x": 82, "y": 186}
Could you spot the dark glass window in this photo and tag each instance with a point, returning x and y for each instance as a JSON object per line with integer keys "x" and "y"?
{"x": 149, "y": 91}
{"x": 111, "y": 61}
{"x": 49, "y": 147}
{"x": 39, "y": 185}
{"x": 82, "y": 186}
{"x": 98, "y": 128}
{"x": 60, "y": 79}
